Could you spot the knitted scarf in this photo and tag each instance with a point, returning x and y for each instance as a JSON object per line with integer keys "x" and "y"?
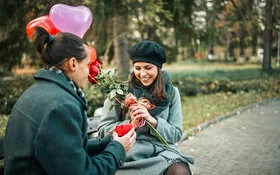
{"x": 77, "y": 89}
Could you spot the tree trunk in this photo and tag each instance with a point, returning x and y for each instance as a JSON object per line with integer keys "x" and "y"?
{"x": 121, "y": 56}
{"x": 232, "y": 56}
{"x": 255, "y": 29}
{"x": 120, "y": 43}
{"x": 242, "y": 44}
{"x": 266, "y": 65}
{"x": 254, "y": 39}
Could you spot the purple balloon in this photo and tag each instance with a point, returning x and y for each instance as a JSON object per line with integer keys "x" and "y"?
{"x": 75, "y": 20}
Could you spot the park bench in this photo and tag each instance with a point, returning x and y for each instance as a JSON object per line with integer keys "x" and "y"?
{"x": 91, "y": 130}
{"x": 93, "y": 123}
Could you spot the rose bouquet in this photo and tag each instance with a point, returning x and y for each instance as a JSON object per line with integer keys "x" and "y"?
{"x": 117, "y": 92}
{"x": 108, "y": 83}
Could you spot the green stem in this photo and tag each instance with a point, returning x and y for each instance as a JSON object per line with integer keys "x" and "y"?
{"x": 161, "y": 139}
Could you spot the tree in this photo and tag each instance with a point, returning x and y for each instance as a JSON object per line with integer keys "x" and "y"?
{"x": 121, "y": 23}
{"x": 181, "y": 23}
{"x": 13, "y": 41}
{"x": 109, "y": 32}
{"x": 268, "y": 13}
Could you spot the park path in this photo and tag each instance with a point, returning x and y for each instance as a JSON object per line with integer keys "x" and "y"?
{"x": 247, "y": 143}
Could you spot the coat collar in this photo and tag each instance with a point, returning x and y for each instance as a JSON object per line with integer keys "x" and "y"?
{"x": 61, "y": 80}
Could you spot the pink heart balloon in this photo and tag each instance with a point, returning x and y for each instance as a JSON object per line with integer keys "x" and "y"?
{"x": 75, "y": 20}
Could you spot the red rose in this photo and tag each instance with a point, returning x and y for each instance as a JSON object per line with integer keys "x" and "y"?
{"x": 94, "y": 69}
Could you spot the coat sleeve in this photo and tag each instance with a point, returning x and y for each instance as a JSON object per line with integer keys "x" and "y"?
{"x": 60, "y": 146}
{"x": 97, "y": 145}
{"x": 171, "y": 128}
{"x": 109, "y": 118}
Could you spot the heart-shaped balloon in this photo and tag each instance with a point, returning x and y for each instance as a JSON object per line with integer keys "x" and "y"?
{"x": 44, "y": 22}
{"x": 71, "y": 19}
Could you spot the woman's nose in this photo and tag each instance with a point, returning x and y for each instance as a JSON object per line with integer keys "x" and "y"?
{"x": 143, "y": 72}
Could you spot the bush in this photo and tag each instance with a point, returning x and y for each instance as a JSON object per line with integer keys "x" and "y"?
{"x": 12, "y": 87}
{"x": 194, "y": 87}
{"x": 10, "y": 91}
{"x": 189, "y": 85}
{"x": 95, "y": 100}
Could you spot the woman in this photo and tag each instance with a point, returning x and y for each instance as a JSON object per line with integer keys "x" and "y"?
{"x": 148, "y": 155}
{"x": 46, "y": 131}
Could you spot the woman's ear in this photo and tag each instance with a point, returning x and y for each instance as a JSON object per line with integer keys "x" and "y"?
{"x": 72, "y": 64}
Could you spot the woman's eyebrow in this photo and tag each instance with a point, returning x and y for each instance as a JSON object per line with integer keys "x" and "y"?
{"x": 147, "y": 66}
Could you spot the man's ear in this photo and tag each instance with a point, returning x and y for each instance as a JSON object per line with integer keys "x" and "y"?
{"x": 72, "y": 64}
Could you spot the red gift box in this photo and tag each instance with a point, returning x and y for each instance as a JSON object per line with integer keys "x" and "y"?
{"x": 122, "y": 129}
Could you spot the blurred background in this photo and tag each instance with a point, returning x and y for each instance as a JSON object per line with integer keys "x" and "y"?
{"x": 222, "y": 54}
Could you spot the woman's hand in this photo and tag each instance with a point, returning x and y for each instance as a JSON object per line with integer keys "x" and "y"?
{"x": 127, "y": 140}
{"x": 139, "y": 111}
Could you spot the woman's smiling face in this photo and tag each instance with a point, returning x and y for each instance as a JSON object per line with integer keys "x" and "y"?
{"x": 145, "y": 72}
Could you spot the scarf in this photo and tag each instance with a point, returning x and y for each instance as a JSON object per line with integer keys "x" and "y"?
{"x": 141, "y": 91}
{"x": 76, "y": 88}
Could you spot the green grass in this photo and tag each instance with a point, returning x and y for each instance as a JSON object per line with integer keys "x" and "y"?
{"x": 202, "y": 108}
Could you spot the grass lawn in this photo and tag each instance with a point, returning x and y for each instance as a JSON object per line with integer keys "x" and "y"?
{"x": 202, "y": 108}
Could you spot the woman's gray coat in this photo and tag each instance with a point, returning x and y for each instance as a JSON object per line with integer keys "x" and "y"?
{"x": 148, "y": 155}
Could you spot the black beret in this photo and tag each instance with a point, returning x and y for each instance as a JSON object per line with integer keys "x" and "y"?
{"x": 148, "y": 51}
